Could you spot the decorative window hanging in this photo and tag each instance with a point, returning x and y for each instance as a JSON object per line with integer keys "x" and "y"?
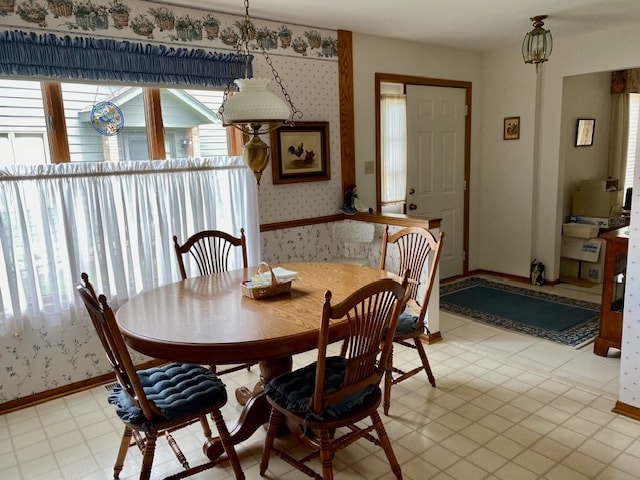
{"x": 107, "y": 118}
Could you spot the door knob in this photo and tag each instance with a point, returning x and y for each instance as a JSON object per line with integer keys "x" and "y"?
{"x": 413, "y": 206}
{"x": 412, "y": 191}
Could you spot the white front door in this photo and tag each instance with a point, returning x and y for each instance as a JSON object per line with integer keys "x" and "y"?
{"x": 435, "y": 165}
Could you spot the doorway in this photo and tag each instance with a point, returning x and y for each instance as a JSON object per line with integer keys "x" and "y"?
{"x": 438, "y": 160}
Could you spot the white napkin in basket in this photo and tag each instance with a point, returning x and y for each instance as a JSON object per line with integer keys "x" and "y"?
{"x": 282, "y": 275}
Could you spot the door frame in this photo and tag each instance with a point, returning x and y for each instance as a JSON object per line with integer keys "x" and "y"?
{"x": 432, "y": 82}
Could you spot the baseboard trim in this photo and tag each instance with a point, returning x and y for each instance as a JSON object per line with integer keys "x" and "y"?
{"x": 627, "y": 410}
{"x": 431, "y": 338}
{"x": 515, "y": 278}
{"x": 58, "y": 392}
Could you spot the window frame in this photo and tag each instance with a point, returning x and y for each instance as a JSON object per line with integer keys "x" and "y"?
{"x": 57, "y": 128}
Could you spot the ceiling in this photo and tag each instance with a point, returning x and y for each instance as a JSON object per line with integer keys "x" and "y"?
{"x": 466, "y": 24}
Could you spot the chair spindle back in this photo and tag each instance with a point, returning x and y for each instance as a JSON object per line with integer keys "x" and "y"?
{"x": 368, "y": 313}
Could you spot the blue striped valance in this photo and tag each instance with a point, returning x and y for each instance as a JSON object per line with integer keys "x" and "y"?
{"x": 87, "y": 58}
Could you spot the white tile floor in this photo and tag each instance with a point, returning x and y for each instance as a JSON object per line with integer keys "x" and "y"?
{"x": 506, "y": 407}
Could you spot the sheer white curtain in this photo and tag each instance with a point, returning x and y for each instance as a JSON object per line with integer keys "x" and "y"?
{"x": 619, "y": 137}
{"x": 393, "y": 139}
{"x": 114, "y": 221}
{"x": 632, "y": 144}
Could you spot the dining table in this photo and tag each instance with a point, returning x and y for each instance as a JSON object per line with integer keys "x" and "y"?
{"x": 208, "y": 320}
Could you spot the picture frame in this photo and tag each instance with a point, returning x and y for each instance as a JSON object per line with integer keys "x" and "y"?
{"x": 300, "y": 153}
{"x": 585, "y": 128}
{"x": 511, "y": 128}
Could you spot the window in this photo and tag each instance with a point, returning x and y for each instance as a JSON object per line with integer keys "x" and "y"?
{"x": 91, "y": 206}
{"x": 23, "y": 132}
{"x": 187, "y": 120}
{"x": 23, "y": 148}
{"x": 393, "y": 142}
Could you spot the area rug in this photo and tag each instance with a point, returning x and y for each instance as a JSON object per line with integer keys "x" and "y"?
{"x": 560, "y": 319}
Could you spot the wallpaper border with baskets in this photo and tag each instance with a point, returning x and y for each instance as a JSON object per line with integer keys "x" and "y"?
{"x": 167, "y": 24}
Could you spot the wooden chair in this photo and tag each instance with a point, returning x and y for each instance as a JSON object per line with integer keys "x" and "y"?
{"x": 336, "y": 392}
{"x": 211, "y": 249}
{"x": 418, "y": 248}
{"x": 157, "y": 401}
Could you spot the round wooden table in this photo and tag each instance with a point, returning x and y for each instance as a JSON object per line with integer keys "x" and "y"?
{"x": 207, "y": 320}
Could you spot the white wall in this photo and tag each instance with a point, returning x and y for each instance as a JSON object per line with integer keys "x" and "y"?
{"x": 584, "y": 96}
{"x": 373, "y": 55}
{"x": 509, "y": 82}
{"x": 505, "y": 211}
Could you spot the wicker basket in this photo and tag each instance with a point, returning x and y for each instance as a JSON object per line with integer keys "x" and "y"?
{"x": 268, "y": 290}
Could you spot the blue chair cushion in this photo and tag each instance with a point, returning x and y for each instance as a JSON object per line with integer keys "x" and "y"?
{"x": 177, "y": 389}
{"x": 406, "y": 323}
{"x": 293, "y": 390}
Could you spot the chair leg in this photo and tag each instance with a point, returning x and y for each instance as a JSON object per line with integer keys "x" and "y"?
{"x": 326, "y": 455}
{"x": 227, "y": 445}
{"x": 147, "y": 455}
{"x": 122, "y": 452}
{"x": 385, "y": 443}
{"x": 425, "y": 361}
{"x": 388, "y": 380}
{"x": 274, "y": 425}
{"x": 206, "y": 428}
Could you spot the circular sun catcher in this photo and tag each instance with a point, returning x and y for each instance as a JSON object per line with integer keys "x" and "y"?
{"x": 107, "y": 118}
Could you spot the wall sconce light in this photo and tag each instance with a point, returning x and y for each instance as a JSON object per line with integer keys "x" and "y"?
{"x": 538, "y": 43}
{"x": 254, "y": 110}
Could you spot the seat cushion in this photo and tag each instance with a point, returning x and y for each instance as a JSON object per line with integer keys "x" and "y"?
{"x": 293, "y": 390}
{"x": 406, "y": 323}
{"x": 177, "y": 389}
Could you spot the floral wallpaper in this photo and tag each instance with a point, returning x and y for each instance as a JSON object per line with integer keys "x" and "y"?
{"x": 310, "y": 84}
{"x": 147, "y": 21}
{"x": 311, "y": 243}
{"x": 630, "y": 354}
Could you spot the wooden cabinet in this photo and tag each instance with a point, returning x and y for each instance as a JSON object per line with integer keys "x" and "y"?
{"x": 613, "y": 285}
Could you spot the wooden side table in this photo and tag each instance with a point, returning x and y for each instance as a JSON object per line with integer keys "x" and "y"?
{"x": 613, "y": 286}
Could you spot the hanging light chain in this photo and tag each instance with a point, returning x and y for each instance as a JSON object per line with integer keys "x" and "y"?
{"x": 248, "y": 30}
{"x": 287, "y": 97}
{"x": 242, "y": 48}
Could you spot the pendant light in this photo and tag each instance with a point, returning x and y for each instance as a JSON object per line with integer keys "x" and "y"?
{"x": 253, "y": 109}
{"x": 538, "y": 43}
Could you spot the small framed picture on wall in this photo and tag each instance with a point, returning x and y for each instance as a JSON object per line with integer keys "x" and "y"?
{"x": 511, "y": 128}
{"x": 301, "y": 152}
{"x": 584, "y": 132}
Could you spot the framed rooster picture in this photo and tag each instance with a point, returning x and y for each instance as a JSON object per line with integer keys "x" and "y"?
{"x": 300, "y": 152}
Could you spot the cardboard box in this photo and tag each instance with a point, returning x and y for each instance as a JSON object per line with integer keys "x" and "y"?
{"x": 593, "y": 271}
{"x": 580, "y": 230}
{"x": 602, "y": 222}
{"x": 597, "y": 204}
{"x": 599, "y": 185}
{"x": 581, "y": 249}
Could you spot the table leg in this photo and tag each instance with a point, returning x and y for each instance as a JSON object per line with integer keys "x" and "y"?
{"x": 256, "y": 407}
